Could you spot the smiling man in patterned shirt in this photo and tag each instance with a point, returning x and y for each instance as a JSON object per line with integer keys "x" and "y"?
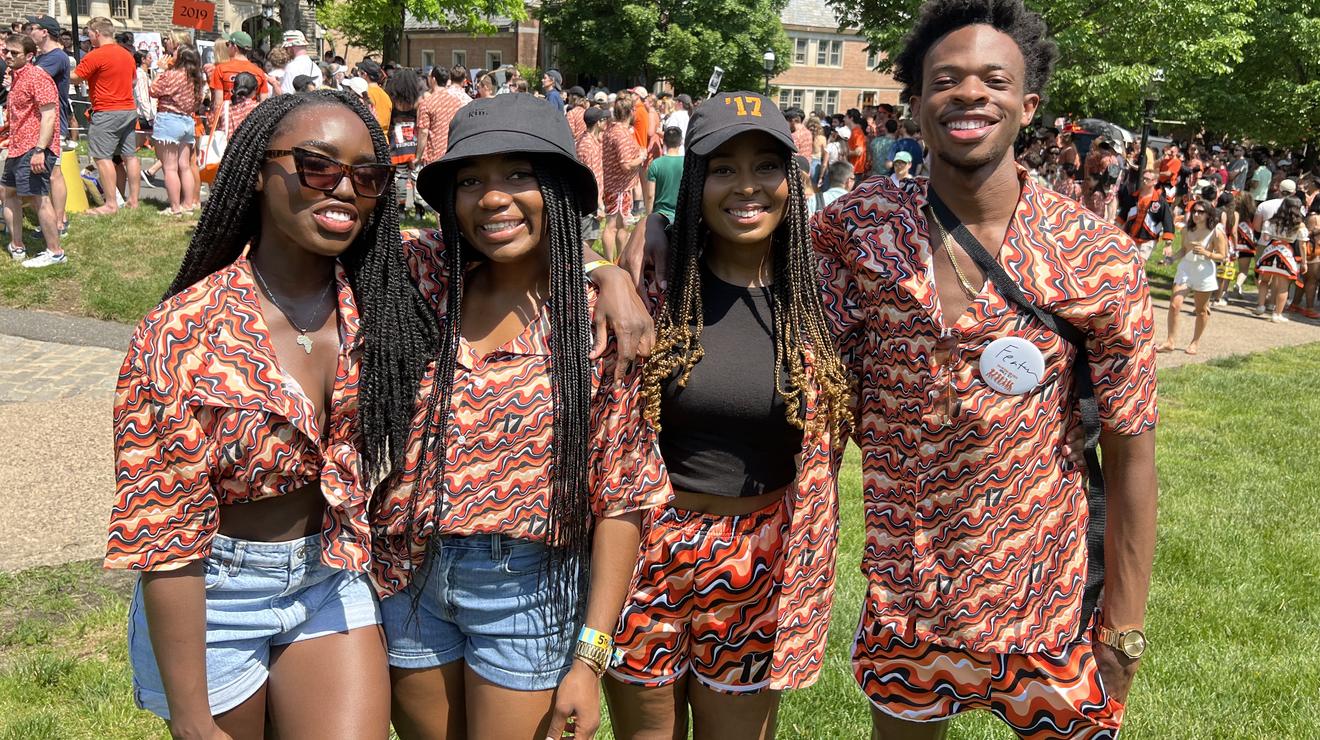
{"x": 985, "y": 547}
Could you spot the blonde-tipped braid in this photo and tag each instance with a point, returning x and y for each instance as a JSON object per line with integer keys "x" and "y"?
{"x": 797, "y": 316}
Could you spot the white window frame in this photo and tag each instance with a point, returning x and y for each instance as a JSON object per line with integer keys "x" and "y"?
{"x": 494, "y": 59}
{"x": 459, "y": 57}
{"x": 801, "y": 50}
{"x": 428, "y": 57}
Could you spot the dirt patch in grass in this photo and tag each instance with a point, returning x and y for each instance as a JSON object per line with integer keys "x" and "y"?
{"x": 36, "y": 605}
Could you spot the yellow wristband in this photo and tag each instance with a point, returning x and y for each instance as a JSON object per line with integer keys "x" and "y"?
{"x": 595, "y": 265}
{"x": 595, "y": 637}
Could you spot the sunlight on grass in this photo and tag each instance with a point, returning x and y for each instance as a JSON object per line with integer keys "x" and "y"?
{"x": 1234, "y": 618}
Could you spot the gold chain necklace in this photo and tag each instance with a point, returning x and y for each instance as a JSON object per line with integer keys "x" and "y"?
{"x": 953, "y": 258}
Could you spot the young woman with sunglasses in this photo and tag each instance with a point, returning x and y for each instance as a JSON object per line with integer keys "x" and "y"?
{"x": 254, "y": 406}
{"x": 1204, "y": 244}
{"x": 731, "y": 600}
{"x": 505, "y": 542}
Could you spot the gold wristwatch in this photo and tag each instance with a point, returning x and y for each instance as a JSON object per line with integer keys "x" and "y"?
{"x": 1131, "y": 643}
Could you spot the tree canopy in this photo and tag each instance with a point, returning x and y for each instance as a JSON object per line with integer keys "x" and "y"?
{"x": 377, "y": 25}
{"x": 677, "y": 40}
{"x": 1241, "y": 67}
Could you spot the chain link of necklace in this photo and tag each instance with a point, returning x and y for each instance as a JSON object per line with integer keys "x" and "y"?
{"x": 303, "y": 340}
{"x": 966, "y": 284}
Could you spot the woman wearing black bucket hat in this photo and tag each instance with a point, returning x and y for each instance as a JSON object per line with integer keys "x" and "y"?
{"x": 732, "y": 594}
{"x": 512, "y": 527}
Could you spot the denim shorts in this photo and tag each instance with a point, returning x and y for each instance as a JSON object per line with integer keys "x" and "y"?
{"x": 483, "y": 601}
{"x": 258, "y": 595}
{"x": 174, "y": 128}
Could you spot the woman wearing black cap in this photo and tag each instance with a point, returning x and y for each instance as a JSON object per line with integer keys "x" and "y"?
{"x": 505, "y": 544}
{"x": 731, "y": 598}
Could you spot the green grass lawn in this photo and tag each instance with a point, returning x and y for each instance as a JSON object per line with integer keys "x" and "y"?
{"x": 118, "y": 268}
{"x": 1234, "y": 616}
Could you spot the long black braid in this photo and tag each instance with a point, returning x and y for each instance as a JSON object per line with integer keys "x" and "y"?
{"x": 798, "y": 317}
{"x": 398, "y": 326}
{"x": 569, "y": 526}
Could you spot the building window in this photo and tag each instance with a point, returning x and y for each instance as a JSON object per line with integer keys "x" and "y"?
{"x": 872, "y": 59}
{"x": 827, "y": 100}
{"x": 494, "y": 60}
{"x": 791, "y": 97}
{"x": 800, "y": 51}
{"x": 84, "y": 7}
{"x": 460, "y": 57}
{"x": 829, "y": 53}
{"x": 428, "y": 58}
{"x": 120, "y": 9}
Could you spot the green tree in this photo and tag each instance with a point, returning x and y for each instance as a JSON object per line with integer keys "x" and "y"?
{"x": 377, "y": 25}
{"x": 1273, "y": 94}
{"x": 1108, "y": 49}
{"x": 676, "y": 40}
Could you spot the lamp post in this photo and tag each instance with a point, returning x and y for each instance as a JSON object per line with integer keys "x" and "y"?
{"x": 768, "y": 59}
{"x": 268, "y": 13}
{"x": 1148, "y": 115}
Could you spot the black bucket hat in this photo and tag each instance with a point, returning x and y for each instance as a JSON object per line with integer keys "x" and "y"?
{"x": 726, "y": 115}
{"x": 513, "y": 123}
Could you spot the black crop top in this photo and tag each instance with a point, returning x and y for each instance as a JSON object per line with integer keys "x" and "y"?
{"x": 726, "y": 433}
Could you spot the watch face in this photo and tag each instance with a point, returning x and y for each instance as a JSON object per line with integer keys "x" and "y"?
{"x": 1134, "y": 643}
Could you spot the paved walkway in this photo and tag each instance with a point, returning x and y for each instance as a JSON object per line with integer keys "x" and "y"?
{"x": 57, "y": 377}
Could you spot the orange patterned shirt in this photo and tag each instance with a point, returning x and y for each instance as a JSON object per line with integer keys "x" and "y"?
{"x": 589, "y": 153}
{"x": 434, "y": 113}
{"x": 500, "y": 434}
{"x": 618, "y": 148}
{"x": 975, "y": 532}
{"x": 204, "y": 416}
{"x": 576, "y": 124}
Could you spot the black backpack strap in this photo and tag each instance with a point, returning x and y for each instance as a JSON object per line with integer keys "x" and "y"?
{"x": 1082, "y": 387}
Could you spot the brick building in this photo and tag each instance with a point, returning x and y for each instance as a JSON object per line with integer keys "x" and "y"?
{"x": 831, "y": 70}
{"x": 431, "y": 43}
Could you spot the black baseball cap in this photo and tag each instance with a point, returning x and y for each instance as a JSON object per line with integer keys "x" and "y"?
{"x": 728, "y": 114}
{"x": 578, "y": 91}
{"x": 513, "y": 123}
{"x": 44, "y": 21}
{"x": 593, "y": 115}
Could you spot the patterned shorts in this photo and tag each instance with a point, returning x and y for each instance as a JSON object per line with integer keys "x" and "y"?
{"x": 618, "y": 204}
{"x": 704, "y": 600}
{"x": 1040, "y": 695}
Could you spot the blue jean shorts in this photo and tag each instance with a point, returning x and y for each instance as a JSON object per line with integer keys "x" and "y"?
{"x": 174, "y": 128}
{"x": 258, "y": 595}
{"x": 482, "y": 602}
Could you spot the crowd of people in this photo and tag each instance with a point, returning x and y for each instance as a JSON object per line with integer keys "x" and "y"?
{"x": 457, "y": 480}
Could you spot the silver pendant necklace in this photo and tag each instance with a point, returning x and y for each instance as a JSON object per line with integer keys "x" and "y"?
{"x": 303, "y": 340}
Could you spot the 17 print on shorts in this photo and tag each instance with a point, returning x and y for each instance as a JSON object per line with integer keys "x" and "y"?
{"x": 1012, "y": 365}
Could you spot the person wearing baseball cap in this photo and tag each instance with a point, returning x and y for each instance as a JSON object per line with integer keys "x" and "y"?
{"x": 50, "y": 57}
{"x": 750, "y": 395}
{"x": 221, "y": 79}
{"x": 574, "y": 465}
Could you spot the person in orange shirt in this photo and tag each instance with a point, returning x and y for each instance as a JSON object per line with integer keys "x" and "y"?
{"x": 643, "y": 125}
{"x": 857, "y": 144}
{"x": 1170, "y": 166}
{"x": 109, "y": 70}
{"x": 221, "y": 79}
